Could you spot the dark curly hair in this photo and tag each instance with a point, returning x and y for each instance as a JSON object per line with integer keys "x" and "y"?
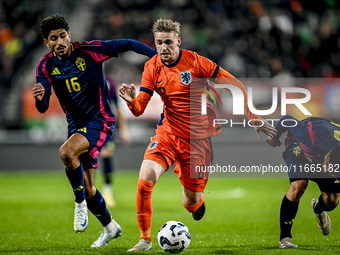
{"x": 53, "y": 22}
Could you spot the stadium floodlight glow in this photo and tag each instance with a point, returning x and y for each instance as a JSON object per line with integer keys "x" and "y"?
{"x": 238, "y": 100}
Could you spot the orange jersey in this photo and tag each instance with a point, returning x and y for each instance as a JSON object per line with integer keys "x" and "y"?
{"x": 180, "y": 89}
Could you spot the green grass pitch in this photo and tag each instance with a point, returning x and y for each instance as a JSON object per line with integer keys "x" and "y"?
{"x": 36, "y": 216}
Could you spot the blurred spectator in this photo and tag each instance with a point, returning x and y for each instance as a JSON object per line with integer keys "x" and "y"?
{"x": 19, "y": 32}
{"x": 244, "y": 36}
{"x": 281, "y": 39}
{"x": 19, "y": 36}
{"x": 240, "y": 34}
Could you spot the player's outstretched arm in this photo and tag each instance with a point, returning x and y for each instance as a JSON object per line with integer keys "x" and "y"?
{"x": 38, "y": 91}
{"x": 136, "y": 104}
{"x": 41, "y": 99}
{"x": 266, "y": 128}
{"x": 127, "y": 92}
{"x": 123, "y": 45}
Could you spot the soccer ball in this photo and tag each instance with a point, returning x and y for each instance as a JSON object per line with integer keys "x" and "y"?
{"x": 174, "y": 237}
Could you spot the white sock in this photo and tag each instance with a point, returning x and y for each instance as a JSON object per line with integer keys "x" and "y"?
{"x": 111, "y": 226}
{"x": 82, "y": 203}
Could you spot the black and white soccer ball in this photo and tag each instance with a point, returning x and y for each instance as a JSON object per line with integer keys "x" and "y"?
{"x": 174, "y": 237}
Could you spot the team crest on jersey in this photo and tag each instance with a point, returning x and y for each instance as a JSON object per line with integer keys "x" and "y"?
{"x": 297, "y": 151}
{"x": 80, "y": 63}
{"x": 153, "y": 145}
{"x": 186, "y": 78}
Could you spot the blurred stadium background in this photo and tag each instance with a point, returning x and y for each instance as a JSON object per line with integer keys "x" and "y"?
{"x": 266, "y": 44}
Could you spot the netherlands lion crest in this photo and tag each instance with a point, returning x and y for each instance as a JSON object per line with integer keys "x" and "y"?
{"x": 80, "y": 63}
{"x": 153, "y": 145}
{"x": 186, "y": 78}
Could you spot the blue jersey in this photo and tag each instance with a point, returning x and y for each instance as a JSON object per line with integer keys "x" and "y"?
{"x": 79, "y": 81}
{"x": 111, "y": 84}
{"x": 315, "y": 136}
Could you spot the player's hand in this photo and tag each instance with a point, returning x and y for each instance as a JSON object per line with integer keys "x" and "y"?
{"x": 273, "y": 142}
{"x": 266, "y": 128}
{"x": 38, "y": 91}
{"x": 127, "y": 92}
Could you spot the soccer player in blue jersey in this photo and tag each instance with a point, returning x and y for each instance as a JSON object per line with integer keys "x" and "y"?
{"x": 312, "y": 153}
{"x": 76, "y": 72}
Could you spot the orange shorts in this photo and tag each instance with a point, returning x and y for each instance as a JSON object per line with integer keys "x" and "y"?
{"x": 189, "y": 156}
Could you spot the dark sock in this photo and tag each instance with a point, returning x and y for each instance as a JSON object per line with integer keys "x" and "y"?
{"x": 287, "y": 215}
{"x": 97, "y": 207}
{"x": 108, "y": 169}
{"x": 76, "y": 178}
{"x": 320, "y": 206}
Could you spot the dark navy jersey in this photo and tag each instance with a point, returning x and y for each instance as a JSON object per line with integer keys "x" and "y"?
{"x": 79, "y": 81}
{"x": 112, "y": 86}
{"x": 315, "y": 136}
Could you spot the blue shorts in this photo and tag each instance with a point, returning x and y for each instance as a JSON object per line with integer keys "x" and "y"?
{"x": 295, "y": 158}
{"x": 110, "y": 145}
{"x": 97, "y": 132}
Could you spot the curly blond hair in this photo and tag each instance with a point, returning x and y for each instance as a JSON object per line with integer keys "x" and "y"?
{"x": 166, "y": 25}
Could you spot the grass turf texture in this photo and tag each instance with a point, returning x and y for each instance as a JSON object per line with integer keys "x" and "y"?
{"x": 36, "y": 216}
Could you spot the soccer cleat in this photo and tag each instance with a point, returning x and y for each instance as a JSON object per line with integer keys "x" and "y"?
{"x": 105, "y": 237}
{"x": 142, "y": 245}
{"x": 199, "y": 213}
{"x": 80, "y": 219}
{"x": 323, "y": 219}
{"x": 286, "y": 243}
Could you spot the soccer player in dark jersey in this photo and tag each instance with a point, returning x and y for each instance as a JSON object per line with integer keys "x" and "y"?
{"x": 76, "y": 72}
{"x": 312, "y": 153}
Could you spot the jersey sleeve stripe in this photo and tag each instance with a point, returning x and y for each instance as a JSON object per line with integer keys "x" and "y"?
{"x": 215, "y": 72}
{"x": 97, "y": 56}
{"x": 149, "y": 91}
{"x": 45, "y": 72}
{"x": 95, "y": 43}
{"x": 42, "y": 67}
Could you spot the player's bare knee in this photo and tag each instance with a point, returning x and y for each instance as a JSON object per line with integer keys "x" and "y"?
{"x": 66, "y": 155}
{"x": 296, "y": 190}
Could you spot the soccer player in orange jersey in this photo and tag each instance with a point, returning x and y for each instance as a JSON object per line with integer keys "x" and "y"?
{"x": 181, "y": 136}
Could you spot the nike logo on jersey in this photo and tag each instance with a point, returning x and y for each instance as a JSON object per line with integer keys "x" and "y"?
{"x": 198, "y": 183}
{"x": 160, "y": 81}
{"x": 56, "y": 71}
{"x": 153, "y": 145}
